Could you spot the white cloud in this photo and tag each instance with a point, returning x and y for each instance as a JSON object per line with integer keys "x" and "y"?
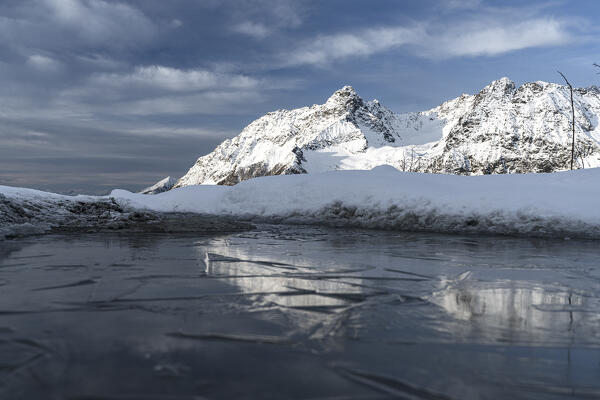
{"x": 461, "y": 4}
{"x": 173, "y": 79}
{"x": 254, "y": 29}
{"x": 325, "y": 49}
{"x": 160, "y": 90}
{"x": 285, "y": 13}
{"x": 210, "y": 102}
{"x": 43, "y": 63}
{"x": 483, "y": 37}
{"x": 98, "y": 21}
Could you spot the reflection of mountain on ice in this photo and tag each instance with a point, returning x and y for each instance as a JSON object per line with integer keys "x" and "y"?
{"x": 284, "y": 282}
{"x": 325, "y": 288}
{"x": 297, "y": 292}
{"x": 519, "y": 307}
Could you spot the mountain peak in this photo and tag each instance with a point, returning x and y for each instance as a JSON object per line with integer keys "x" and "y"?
{"x": 346, "y": 90}
{"x": 345, "y": 93}
{"x": 345, "y": 97}
{"x": 500, "y": 86}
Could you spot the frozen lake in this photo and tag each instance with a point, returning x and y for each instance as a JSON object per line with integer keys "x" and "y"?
{"x": 299, "y": 312}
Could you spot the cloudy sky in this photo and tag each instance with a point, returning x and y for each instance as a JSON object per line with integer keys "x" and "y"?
{"x": 98, "y": 94}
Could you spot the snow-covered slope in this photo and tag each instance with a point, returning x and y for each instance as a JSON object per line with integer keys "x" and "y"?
{"x": 558, "y": 204}
{"x": 502, "y": 129}
{"x": 160, "y": 186}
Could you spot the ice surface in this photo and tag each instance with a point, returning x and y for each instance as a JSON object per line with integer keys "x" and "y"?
{"x": 299, "y": 312}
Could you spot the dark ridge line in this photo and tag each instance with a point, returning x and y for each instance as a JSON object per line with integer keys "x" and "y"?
{"x": 229, "y": 337}
{"x": 181, "y": 298}
{"x": 134, "y": 397}
{"x": 389, "y": 385}
{"x": 33, "y": 343}
{"x": 408, "y": 273}
{"x": 25, "y": 257}
{"x": 221, "y": 258}
{"x": 64, "y": 267}
{"x": 13, "y": 265}
{"x": 83, "y": 282}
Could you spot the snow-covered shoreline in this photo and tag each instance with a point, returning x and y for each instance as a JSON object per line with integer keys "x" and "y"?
{"x": 563, "y": 204}
{"x": 558, "y": 204}
{"x": 28, "y": 212}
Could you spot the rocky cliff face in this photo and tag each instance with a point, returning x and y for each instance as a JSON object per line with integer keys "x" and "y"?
{"x": 502, "y": 129}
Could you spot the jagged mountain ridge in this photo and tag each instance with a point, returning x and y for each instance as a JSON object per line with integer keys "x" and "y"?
{"x": 161, "y": 186}
{"x": 501, "y": 129}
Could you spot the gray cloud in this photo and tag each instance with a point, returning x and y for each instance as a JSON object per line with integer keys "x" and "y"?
{"x": 56, "y": 156}
{"x": 263, "y": 18}
{"x": 63, "y": 25}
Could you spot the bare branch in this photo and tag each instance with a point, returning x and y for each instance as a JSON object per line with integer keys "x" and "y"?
{"x": 597, "y": 65}
{"x": 565, "y": 78}
{"x": 573, "y": 111}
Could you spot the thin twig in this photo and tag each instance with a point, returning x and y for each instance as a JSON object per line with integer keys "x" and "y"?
{"x": 573, "y": 111}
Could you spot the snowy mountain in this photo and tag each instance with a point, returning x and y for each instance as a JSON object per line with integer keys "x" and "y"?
{"x": 502, "y": 129}
{"x": 160, "y": 186}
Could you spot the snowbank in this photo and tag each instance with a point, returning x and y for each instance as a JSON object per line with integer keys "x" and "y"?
{"x": 28, "y": 211}
{"x": 559, "y": 204}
